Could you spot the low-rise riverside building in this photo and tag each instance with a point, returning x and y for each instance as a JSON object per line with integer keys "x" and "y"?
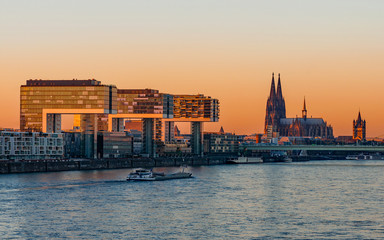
{"x": 109, "y": 144}
{"x": 31, "y": 145}
{"x": 114, "y": 145}
{"x": 73, "y": 145}
{"x": 220, "y": 142}
{"x": 137, "y": 141}
{"x": 177, "y": 148}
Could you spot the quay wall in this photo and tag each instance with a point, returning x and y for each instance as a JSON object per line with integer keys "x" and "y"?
{"x": 69, "y": 165}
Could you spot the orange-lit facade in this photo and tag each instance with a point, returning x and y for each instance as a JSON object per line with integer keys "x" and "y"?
{"x": 144, "y": 101}
{"x": 42, "y": 102}
{"x": 97, "y": 107}
{"x": 195, "y": 108}
{"x": 359, "y": 128}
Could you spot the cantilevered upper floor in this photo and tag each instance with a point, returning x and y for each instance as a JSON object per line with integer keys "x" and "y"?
{"x": 43, "y": 101}
{"x": 41, "y": 97}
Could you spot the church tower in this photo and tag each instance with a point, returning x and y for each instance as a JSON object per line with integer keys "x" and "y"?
{"x": 275, "y": 109}
{"x": 304, "y": 111}
{"x": 359, "y": 128}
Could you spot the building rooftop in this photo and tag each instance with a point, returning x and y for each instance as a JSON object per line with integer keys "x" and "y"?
{"x": 73, "y": 82}
{"x": 307, "y": 121}
{"x": 137, "y": 91}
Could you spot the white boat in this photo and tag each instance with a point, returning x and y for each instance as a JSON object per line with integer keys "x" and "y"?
{"x": 364, "y": 157}
{"x": 149, "y": 175}
{"x": 245, "y": 160}
{"x": 352, "y": 157}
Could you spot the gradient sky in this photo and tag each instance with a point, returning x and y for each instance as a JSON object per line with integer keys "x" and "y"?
{"x": 330, "y": 51}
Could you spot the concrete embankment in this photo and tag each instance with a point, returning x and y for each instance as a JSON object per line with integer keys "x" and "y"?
{"x": 68, "y": 165}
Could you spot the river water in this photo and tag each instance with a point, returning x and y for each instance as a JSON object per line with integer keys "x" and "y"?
{"x": 311, "y": 200}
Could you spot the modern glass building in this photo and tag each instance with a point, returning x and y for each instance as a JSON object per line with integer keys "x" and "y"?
{"x": 99, "y": 107}
{"x": 144, "y": 101}
{"x": 196, "y": 108}
{"x": 43, "y": 101}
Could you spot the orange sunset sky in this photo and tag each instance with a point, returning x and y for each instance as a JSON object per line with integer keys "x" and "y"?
{"x": 331, "y": 52}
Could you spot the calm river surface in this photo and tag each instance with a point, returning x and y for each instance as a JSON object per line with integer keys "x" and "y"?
{"x": 311, "y": 200}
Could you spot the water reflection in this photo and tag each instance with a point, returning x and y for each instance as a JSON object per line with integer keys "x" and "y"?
{"x": 330, "y": 199}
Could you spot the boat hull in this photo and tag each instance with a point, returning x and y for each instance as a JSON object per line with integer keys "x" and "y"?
{"x": 245, "y": 160}
{"x": 162, "y": 178}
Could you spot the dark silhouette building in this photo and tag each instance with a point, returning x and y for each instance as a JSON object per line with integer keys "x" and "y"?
{"x": 276, "y": 121}
{"x": 359, "y": 128}
{"x": 275, "y": 106}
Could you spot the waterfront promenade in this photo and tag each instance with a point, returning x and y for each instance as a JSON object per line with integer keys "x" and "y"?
{"x": 85, "y": 164}
{"x": 343, "y": 148}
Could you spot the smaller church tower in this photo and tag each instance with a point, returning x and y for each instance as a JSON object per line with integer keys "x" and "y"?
{"x": 359, "y": 129}
{"x": 221, "y": 130}
{"x": 304, "y": 111}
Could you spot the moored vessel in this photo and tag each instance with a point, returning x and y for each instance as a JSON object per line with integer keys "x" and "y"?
{"x": 244, "y": 160}
{"x": 364, "y": 157}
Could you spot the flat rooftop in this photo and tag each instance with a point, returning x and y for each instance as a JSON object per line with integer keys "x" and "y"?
{"x": 73, "y": 82}
{"x": 137, "y": 91}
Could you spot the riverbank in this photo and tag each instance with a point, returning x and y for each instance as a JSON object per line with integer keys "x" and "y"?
{"x": 7, "y": 167}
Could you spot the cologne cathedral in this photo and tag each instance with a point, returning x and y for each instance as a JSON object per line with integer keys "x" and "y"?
{"x": 276, "y": 121}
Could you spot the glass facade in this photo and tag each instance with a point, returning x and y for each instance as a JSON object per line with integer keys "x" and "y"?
{"x": 144, "y": 101}
{"x": 196, "y": 107}
{"x": 101, "y": 108}
{"x": 87, "y": 96}
{"x": 114, "y": 145}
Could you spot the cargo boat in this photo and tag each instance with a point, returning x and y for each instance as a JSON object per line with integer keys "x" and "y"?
{"x": 244, "y": 160}
{"x": 149, "y": 175}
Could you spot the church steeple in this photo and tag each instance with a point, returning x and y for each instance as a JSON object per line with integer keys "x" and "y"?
{"x": 359, "y": 118}
{"x": 304, "y": 111}
{"x": 278, "y": 91}
{"x": 359, "y": 128}
{"x": 273, "y": 90}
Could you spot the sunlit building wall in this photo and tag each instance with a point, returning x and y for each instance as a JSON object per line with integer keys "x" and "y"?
{"x": 76, "y": 121}
{"x": 359, "y": 128}
{"x": 196, "y": 108}
{"x": 144, "y": 101}
{"x": 133, "y": 125}
{"x": 43, "y": 101}
{"x": 98, "y": 107}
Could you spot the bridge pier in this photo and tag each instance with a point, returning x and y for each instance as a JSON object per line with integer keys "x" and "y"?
{"x": 197, "y": 138}
{"x": 148, "y": 137}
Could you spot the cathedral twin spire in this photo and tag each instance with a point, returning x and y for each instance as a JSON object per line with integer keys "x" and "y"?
{"x": 276, "y": 121}
{"x": 273, "y": 91}
{"x": 276, "y": 92}
{"x": 275, "y": 105}
{"x": 279, "y": 93}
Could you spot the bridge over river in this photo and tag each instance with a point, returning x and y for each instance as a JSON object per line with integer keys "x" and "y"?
{"x": 342, "y": 148}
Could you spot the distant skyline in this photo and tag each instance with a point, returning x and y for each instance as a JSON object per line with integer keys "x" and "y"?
{"x": 331, "y": 52}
